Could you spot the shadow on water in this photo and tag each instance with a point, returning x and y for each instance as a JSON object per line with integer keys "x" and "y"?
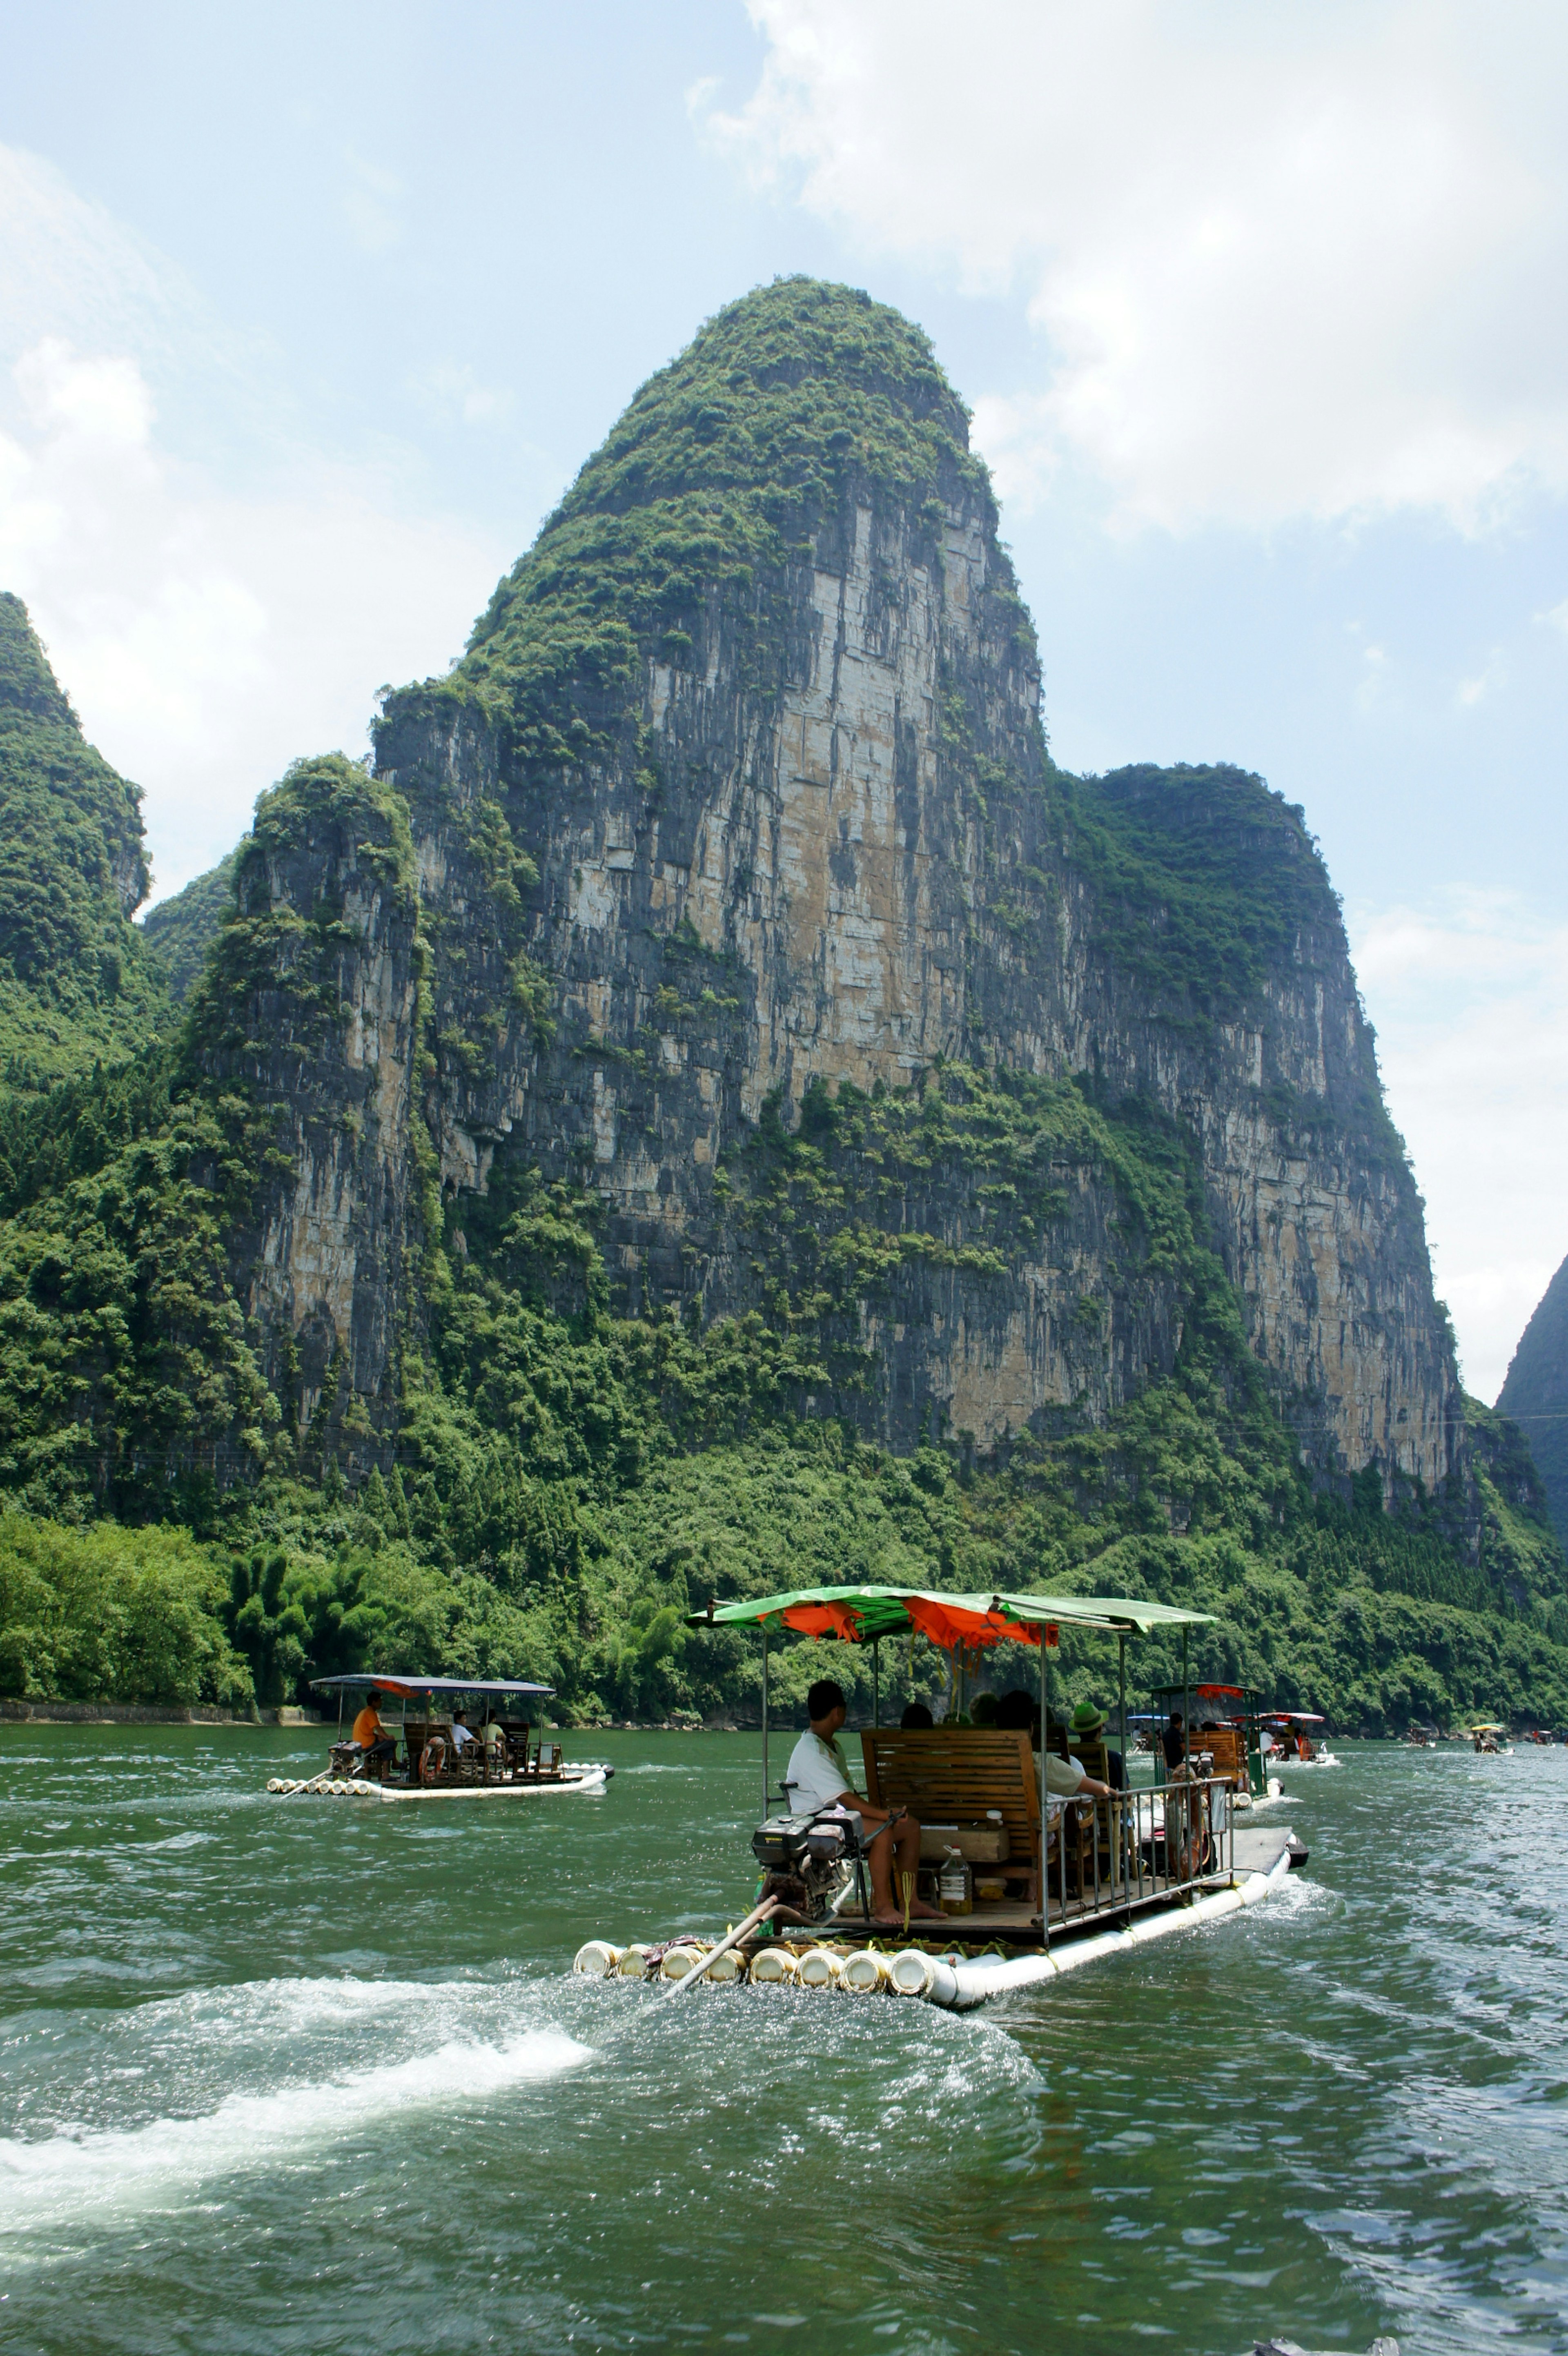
{"x": 313, "y": 2077}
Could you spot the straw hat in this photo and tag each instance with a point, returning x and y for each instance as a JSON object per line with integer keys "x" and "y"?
{"x": 1086, "y": 1720}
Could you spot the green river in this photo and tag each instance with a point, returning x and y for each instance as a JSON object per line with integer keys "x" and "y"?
{"x": 312, "y": 2075}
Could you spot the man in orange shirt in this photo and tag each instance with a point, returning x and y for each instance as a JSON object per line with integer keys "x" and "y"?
{"x": 372, "y": 1736}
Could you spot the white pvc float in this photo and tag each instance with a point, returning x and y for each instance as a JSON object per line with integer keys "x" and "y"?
{"x": 955, "y": 1983}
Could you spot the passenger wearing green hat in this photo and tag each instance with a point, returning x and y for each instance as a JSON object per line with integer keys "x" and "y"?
{"x": 1089, "y": 1726}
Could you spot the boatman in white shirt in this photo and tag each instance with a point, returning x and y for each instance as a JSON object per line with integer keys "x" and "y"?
{"x": 818, "y": 1777}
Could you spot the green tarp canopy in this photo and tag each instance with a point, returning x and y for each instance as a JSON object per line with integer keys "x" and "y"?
{"x": 1122, "y": 1614}
{"x": 861, "y": 1614}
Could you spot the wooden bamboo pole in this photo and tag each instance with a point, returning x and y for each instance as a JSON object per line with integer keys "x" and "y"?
{"x": 731, "y": 1939}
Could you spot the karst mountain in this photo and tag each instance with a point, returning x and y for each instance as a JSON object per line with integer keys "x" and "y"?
{"x": 712, "y": 1101}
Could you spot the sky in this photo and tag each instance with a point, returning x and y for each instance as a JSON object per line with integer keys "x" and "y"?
{"x": 308, "y": 315}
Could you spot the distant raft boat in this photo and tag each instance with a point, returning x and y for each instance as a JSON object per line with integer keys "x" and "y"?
{"x": 498, "y": 1758}
{"x": 1291, "y": 1730}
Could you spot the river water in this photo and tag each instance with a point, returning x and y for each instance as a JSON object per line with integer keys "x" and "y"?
{"x": 311, "y": 2077}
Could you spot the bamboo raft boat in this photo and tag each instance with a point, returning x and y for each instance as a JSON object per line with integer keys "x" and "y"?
{"x": 500, "y": 1759}
{"x": 1031, "y": 1885}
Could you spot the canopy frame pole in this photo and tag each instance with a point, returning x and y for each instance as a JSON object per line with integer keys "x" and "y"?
{"x": 1122, "y": 1700}
{"x": 764, "y": 1718}
{"x": 875, "y": 1683}
{"x": 1045, "y": 1840}
{"x": 1186, "y": 1699}
{"x": 1187, "y": 1739}
{"x": 1126, "y": 1769}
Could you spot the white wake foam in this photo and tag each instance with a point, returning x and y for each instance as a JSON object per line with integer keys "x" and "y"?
{"x": 75, "y": 2178}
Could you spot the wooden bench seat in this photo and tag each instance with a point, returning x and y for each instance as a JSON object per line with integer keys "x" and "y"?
{"x": 1225, "y": 1747}
{"x": 950, "y": 1775}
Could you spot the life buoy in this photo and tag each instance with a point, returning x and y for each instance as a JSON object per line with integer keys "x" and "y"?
{"x": 432, "y": 1761}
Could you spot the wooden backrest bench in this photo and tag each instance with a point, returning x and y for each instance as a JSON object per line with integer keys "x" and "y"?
{"x": 953, "y": 1775}
{"x": 1224, "y": 1745}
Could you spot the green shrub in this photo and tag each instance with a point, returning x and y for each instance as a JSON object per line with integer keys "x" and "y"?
{"x": 104, "y": 1613}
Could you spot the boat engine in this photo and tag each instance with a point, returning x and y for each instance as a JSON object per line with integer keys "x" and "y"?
{"x": 806, "y": 1861}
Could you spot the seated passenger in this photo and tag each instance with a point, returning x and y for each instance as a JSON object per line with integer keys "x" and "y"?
{"x": 1066, "y": 1779}
{"x": 1018, "y": 1713}
{"x": 462, "y": 1732}
{"x": 982, "y": 1710}
{"x": 817, "y": 1778}
{"x": 916, "y": 1720}
{"x": 379, "y": 1747}
{"x": 495, "y": 1735}
{"x": 1089, "y": 1726}
{"x": 1172, "y": 1741}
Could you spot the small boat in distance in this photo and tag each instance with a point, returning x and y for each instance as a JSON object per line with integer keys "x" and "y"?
{"x": 437, "y": 1753}
{"x": 1224, "y": 1737}
{"x": 1485, "y": 1736}
{"x": 1291, "y": 1730}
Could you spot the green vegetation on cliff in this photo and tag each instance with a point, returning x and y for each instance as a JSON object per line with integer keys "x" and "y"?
{"x": 182, "y": 929}
{"x": 1536, "y": 1392}
{"x": 570, "y": 1483}
{"x": 75, "y": 979}
{"x": 1202, "y": 879}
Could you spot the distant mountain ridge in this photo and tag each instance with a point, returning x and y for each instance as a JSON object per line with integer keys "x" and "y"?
{"x": 182, "y": 929}
{"x": 1535, "y": 1394}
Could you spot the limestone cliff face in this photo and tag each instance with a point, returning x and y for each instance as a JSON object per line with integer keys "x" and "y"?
{"x": 312, "y": 1012}
{"x": 794, "y": 823}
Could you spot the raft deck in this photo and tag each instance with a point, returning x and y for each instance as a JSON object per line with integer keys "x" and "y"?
{"x": 1252, "y": 1850}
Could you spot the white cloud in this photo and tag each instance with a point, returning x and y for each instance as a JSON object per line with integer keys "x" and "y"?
{"x": 69, "y": 269}
{"x": 1470, "y": 999}
{"x": 1283, "y": 262}
{"x": 452, "y": 386}
{"x": 1474, "y": 689}
{"x": 1021, "y": 449}
{"x": 369, "y": 204}
{"x": 207, "y": 634}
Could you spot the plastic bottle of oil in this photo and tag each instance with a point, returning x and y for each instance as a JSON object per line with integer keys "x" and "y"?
{"x": 955, "y": 1885}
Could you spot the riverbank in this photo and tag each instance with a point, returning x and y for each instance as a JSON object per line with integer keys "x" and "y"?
{"x": 130, "y": 1713}
{"x": 136, "y": 1713}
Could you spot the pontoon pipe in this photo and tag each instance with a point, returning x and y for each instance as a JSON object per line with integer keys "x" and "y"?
{"x": 957, "y": 1987}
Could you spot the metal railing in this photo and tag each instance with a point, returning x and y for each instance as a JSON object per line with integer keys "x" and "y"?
{"x": 1105, "y": 1857}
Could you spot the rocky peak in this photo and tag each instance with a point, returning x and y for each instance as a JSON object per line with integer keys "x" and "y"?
{"x": 738, "y": 841}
